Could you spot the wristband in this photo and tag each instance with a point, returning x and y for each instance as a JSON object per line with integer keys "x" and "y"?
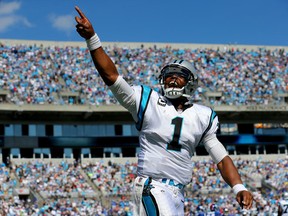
{"x": 239, "y": 187}
{"x": 94, "y": 42}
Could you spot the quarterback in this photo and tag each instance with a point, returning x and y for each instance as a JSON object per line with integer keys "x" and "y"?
{"x": 170, "y": 128}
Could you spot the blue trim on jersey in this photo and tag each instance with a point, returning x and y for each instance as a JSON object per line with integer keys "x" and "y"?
{"x": 145, "y": 96}
{"x": 149, "y": 202}
{"x": 149, "y": 206}
{"x": 147, "y": 182}
{"x": 212, "y": 117}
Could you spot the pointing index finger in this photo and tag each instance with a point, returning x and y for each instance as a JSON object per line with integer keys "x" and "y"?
{"x": 80, "y": 12}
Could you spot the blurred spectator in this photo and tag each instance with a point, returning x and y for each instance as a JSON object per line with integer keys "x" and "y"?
{"x": 44, "y": 74}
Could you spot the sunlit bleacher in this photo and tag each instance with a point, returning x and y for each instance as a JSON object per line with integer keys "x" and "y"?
{"x": 105, "y": 185}
{"x": 64, "y": 74}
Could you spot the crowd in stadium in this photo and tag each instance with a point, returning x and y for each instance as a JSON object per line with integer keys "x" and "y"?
{"x": 113, "y": 182}
{"x": 43, "y": 74}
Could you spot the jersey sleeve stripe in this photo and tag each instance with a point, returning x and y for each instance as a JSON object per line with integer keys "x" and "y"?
{"x": 145, "y": 96}
{"x": 212, "y": 117}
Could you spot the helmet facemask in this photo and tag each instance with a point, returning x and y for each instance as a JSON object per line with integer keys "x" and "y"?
{"x": 183, "y": 69}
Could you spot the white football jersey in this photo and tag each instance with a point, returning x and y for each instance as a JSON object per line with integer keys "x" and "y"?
{"x": 284, "y": 206}
{"x": 168, "y": 138}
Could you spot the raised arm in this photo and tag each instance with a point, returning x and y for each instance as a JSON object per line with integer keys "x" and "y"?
{"x": 102, "y": 61}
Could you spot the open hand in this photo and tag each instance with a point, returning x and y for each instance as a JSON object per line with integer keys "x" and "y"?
{"x": 84, "y": 26}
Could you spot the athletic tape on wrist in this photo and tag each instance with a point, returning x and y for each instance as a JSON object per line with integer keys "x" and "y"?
{"x": 94, "y": 42}
{"x": 238, "y": 187}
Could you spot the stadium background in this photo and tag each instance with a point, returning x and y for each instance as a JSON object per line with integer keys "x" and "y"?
{"x": 86, "y": 132}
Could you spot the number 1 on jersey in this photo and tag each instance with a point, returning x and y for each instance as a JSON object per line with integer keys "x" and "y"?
{"x": 174, "y": 144}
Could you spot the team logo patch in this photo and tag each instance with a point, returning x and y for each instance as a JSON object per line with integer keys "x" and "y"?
{"x": 162, "y": 102}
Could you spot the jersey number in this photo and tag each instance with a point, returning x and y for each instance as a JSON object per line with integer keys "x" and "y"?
{"x": 174, "y": 144}
{"x": 285, "y": 209}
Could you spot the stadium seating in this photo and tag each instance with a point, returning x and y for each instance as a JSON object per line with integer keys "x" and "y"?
{"x": 44, "y": 73}
{"x": 47, "y": 74}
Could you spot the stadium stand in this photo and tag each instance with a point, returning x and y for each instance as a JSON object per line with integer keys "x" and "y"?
{"x": 104, "y": 186}
{"x": 68, "y": 149}
{"x": 41, "y": 73}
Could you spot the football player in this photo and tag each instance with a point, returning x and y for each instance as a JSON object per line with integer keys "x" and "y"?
{"x": 170, "y": 128}
{"x": 283, "y": 205}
